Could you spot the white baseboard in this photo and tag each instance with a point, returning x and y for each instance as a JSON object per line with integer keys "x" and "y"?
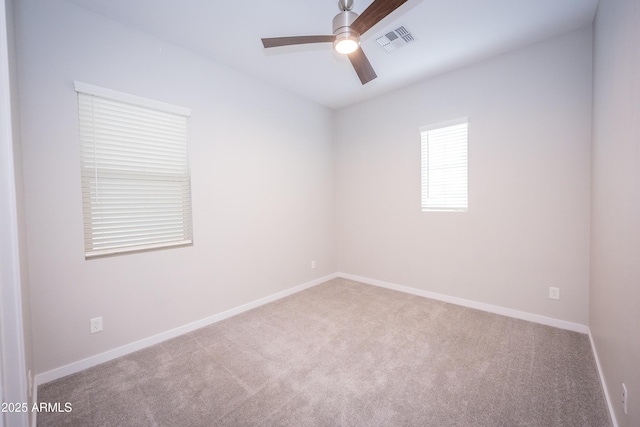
{"x": 612, "y": 414}
{"x": 536, "y": 318}
{"x": 89, "y": 362}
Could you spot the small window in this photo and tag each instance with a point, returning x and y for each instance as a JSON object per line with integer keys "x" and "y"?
{"x": 136, "y": 186}
{"x": 444, "y": 166}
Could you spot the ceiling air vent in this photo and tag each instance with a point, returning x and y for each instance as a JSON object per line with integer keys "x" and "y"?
{"x": 395, "y": 39}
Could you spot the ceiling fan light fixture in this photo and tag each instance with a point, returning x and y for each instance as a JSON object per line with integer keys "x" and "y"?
{"x": 346, "y": 42}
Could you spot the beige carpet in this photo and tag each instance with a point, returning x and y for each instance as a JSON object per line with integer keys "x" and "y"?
{"x": 345, "y": 354}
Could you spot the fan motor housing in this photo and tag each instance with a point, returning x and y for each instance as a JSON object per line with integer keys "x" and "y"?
{"x": 342, "y": 20}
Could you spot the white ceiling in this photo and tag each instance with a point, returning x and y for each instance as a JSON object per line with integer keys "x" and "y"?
{"x": 449, "y": 34}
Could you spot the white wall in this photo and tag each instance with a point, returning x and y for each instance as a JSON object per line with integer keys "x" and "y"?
{"x": 261, "y": 178}
{"x": 615, "y": 208}
{"x": 528, "y": 222}
{"x": 266, "y": 195}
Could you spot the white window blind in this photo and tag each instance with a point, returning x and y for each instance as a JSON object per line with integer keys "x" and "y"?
{"x": 136, "y": 190}
{"x": 445, "y": 167}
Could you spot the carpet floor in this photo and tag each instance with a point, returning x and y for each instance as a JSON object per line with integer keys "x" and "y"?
{"x": 345, "y": 354}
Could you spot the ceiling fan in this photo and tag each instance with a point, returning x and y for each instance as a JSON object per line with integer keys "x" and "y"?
{"x": 347, "y": 29}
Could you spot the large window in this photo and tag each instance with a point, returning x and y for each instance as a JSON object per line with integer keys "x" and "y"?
{"x": 136, "y": 187}
{"x": 445, "y": 166}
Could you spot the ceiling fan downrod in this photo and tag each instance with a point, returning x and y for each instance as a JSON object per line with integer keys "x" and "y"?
{"x": 345, "y": 5}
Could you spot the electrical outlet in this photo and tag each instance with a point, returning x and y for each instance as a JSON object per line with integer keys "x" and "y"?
{"x": 96, "y": 324}
{"x": 313, "y": 264}
{"x": 554, "y": 293}
{"x": 625, "y": 397}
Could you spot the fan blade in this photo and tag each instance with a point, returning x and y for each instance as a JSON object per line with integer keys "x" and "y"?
{"x": 286, "y": 41}
{"x": 363, "y": 67}
{"x": 375, "y": 13}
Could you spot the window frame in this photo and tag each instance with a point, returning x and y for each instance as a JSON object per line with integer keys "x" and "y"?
{"x": 117, "y": 178}
{"x": 451, "y": 202}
